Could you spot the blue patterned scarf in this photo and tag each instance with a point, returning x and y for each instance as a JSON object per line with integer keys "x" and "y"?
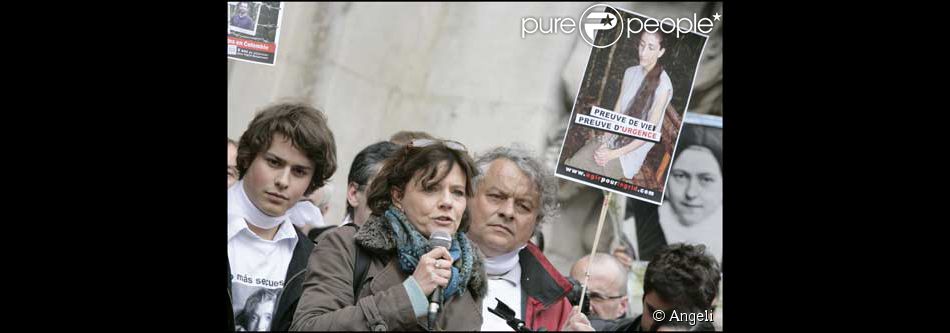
{"x": 411, "y": 245}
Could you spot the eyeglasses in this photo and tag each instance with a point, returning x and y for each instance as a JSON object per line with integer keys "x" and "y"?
{"x": 599, "y": 297}
{"x": 454, "y": 145}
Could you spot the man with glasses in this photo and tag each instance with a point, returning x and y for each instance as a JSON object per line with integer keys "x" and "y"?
{"x": 606, "y": 288}
{"x": 681, "y": 277}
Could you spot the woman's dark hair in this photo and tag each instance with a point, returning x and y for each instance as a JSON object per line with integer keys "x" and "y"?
{"x": 697, "y": 135}
{"x": 260, "y": 296}
{"x": 644, "y": 97}
{"x": 367, "y": 163}
{"x": 430, "y": 163}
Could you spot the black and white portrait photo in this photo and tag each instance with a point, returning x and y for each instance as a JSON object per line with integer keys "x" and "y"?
{"x": 692, "y": 210}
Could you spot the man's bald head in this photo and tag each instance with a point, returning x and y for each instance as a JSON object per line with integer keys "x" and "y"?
{"x": 606, "y": 267}
{"x": 608, "y": 279}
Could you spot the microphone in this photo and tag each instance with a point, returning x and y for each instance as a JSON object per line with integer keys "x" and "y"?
{"x": 441, "y": 239}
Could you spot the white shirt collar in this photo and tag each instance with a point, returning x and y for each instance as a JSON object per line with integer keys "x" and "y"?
{"x": 236, "y": 224}
{"x": 513, "y": 276}
{"x": 238, "y": 214}
{"x": 240, "y": 204}
{"x": 286, "y": 231}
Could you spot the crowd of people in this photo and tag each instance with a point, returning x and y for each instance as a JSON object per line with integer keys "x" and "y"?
{"x": 290, "y": 269}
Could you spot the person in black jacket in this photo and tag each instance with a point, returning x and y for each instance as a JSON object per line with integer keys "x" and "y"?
{"x": 681, "y": 276}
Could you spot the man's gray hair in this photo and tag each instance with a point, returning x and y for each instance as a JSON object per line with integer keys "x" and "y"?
{"x": 540, "y": 175}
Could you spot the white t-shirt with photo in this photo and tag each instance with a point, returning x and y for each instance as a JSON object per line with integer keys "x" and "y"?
{"x": 507, "y": 288}
{"x": 258, "y": 266}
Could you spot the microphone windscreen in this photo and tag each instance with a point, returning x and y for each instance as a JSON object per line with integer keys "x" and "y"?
{"x": 440, "y": 238}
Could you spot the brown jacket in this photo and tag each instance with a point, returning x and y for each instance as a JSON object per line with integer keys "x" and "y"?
{"x": 327, "y": 302}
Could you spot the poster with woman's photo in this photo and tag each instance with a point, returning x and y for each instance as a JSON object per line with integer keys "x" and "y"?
{"x": 253, "y": 30}
{"x": 630, "y": 105}
{"x": 692, "y": 211}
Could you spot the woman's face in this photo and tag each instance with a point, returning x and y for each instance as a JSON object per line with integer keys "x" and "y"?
{"x": 649, "y": 49}
{"x": 695, "y": 188}
{"x": 261, "y": 316}
{"x": 438, "y": 207}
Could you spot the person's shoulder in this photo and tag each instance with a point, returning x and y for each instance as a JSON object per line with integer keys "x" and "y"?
{"x": 665, "y": 78}
{"x": 632, "y": 69}
{"x": 303, "y": 240}
{"x": 343, "y": 231}
{"x": 339, "y": 236}
{"x": 541, "y": 261}
{"x": 602, "y": 324}
{"x": 631, "y": 324}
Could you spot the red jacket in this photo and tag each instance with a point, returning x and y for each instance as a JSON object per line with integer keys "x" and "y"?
{"x": 543, "y": 291}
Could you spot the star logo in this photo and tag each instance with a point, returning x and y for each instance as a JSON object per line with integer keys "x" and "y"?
{"x": 717, "y": 17}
